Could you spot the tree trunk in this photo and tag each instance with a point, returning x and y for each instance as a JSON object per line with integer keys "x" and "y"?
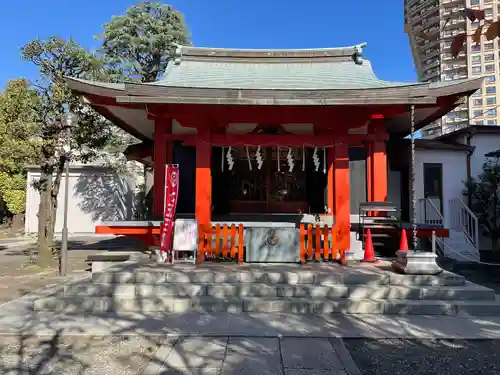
{"x": 17, "y": 223}
{"x": 45, "y": 258}
{"x": 148, "y": 185}
{"x": 55, "y": 187}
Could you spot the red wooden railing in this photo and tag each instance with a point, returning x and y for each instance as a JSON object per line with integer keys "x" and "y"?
{"x": 228, "y": 242}
{"x": 320, "y": 244}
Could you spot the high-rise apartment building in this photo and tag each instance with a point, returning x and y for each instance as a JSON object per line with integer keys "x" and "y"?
{"x": 434, "y": 61}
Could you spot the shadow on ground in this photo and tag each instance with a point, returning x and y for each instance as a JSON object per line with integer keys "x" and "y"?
{"x": 79, "y": 335}
{"x": 108, "y": 244}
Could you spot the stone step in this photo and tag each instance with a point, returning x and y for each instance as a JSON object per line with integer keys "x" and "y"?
{"x": 321, "y": 276}
{"x": 241, "y": 290}
{"x": 82, "y": 304}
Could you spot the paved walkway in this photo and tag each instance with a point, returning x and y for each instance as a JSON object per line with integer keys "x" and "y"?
{"x": 245, "y": 355}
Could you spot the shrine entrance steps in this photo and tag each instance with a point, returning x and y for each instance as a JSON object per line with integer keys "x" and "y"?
{"x": 310, "y": 289}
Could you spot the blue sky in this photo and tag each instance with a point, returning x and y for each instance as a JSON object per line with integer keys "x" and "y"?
{"x": 223, "y": 23}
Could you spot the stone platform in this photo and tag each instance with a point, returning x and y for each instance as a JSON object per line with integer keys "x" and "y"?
{"x": 301, "y": 289}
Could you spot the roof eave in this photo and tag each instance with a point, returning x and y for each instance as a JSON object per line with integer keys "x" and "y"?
{"x": 333, "y": 99}
{"x": 94, "y": 88}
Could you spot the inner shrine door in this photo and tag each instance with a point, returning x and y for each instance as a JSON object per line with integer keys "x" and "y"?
{"x": 273, "y": 188}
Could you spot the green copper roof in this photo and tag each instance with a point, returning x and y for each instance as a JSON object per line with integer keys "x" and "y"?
{"x": 315, "y": 69}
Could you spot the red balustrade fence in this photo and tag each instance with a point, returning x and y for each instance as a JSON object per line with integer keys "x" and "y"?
{"x": 221, "y": 242}
{"x": 320, "y": 244}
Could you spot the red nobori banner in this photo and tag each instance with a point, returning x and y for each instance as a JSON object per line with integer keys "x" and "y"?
{"x": 171, "y": 197}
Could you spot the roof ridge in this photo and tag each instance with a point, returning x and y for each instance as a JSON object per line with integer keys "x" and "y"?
{"x": 354, "y": 51}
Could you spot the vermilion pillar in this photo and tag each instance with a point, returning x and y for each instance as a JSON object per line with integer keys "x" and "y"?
{"x": 342, "y": 206}
{"x": 378, "y": 171}
{"x": 376, "y": 161}
{"x": 203, "y": 204}
{"x": 331, "y": 182}
{"x": 369, "y": 173}
{"x": 160, "y": 160}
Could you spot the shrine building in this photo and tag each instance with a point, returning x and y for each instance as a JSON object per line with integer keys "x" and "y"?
{"x": 273, "y": 132}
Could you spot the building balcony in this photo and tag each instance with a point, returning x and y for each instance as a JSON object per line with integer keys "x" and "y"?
{"x": 415, "y": 9}
{"x": 449, "y": 128}
{"x": 428, "y": 44}
{"x": 447, "y": 3}
{"x": 460, "y": 58}
{"x": 430, "y": 22}
{"x": 425, "y": 12}
{"x": 457, "y": 68}
{"x": 432, "y": 64}
{"x": 427, "y": 53}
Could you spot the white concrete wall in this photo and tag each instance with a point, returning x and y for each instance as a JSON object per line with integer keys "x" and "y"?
{"x": 454, "y": 174}
{"x": 95, "y": 195}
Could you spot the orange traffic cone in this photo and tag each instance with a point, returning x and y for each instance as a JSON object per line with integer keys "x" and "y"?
{"x": 403, "y": 244}
{"x": 369, "y": 252}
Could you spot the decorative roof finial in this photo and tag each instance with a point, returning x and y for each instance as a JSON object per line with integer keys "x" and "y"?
{"x": 358, "y": 54}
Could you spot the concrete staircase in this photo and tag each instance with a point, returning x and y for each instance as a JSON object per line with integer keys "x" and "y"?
{"x": 458, "y": 247}
{"x": 309, "y": 289}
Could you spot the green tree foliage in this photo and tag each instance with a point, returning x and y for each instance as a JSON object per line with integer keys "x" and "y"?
{"x": 138, "y": 45}
{"x": 19, "y": 142}
{"x": 484, "y": 195}
{"x": 57, "y": 58}
{"x": 142, "y": 41}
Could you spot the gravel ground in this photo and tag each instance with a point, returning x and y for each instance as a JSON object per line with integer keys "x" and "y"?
{"x": 85, "y": 355}
{"x": 429, "y": 357}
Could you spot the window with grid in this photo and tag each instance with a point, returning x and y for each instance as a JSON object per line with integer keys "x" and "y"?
{"x": 489, "y": 68}
{"x": 491, "y": 90}
{"x": 490, "y": 79}
{"x": 477, "y": 102}
{"x": 489, "y": 57}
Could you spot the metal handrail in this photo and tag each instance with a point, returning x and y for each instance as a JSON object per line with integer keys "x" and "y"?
{"x": 436, "y": 210}
{"x": 465, "y": 221}
{"x": 426, "y": 202}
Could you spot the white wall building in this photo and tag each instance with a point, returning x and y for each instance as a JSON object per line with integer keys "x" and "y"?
{"x": 96, "y": 194}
